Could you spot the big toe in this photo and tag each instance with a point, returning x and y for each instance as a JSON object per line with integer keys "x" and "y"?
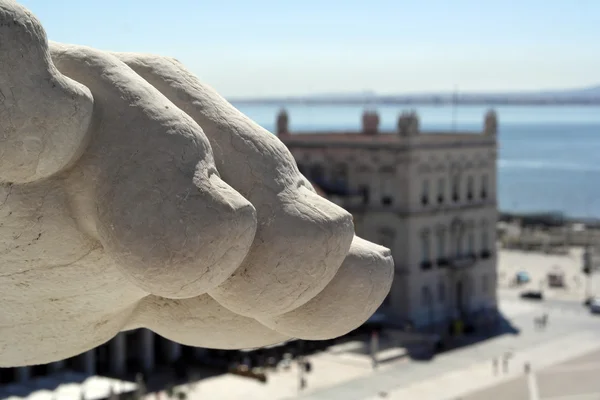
{"x": 358, "y": 289}
{"x": 292, "y": 258}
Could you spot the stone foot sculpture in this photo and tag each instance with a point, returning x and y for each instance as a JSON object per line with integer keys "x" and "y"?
{"x": 132, "y": 195}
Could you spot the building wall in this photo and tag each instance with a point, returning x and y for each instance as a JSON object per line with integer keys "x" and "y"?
{"x": 418, "y": 186}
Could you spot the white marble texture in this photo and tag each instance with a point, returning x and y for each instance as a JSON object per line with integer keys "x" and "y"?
{"x": 132, "y": 195}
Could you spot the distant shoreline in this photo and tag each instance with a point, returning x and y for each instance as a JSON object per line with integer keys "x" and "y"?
{"x": 548, "y": 218}
{"x": 416, "y": 102}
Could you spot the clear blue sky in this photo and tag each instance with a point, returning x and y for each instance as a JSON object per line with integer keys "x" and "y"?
{"x": 275, "y": 47}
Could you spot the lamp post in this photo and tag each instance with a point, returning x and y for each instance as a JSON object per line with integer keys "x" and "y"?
{"x": 374, "y": 348}
{"x": 587, "y": 269}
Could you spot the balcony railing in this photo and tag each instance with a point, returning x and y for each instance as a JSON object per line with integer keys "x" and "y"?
{"x": 426, "y": 264}
{"x": 424, "y": 200}
{"x": 440, "y": 199}
{"x": 442, "y": 262}
{"x": 458, "y": 262}
{"x": 485, "y": 254}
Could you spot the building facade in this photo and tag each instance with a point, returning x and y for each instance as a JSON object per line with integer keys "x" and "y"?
{"x": 428, "y": 196}
{"x": 123, "y": 356}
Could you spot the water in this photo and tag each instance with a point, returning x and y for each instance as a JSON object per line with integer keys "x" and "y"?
{"x": 549, "y": 157}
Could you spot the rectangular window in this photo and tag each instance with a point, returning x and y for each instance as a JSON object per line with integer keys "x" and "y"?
{"x": 458, "y": 243}
{"x": 425, "y": 296}
{"x": 386, "y": 238}
{"x": 441, "y": 190}
{"x": 471, "y": 242}
{"x": 455, "y": 189}
{"x": 387, "y": 187}
{"x": 485, "y": 239}
{"x": 484, "y": 186}
{"x": 470, "y": 188}
{"x": 425, "y": 192}
{"x": 441, "y": 244}
{"x": 441, "y": 292}
{"x": 364, "y": 192}
{"x": 425, "y": 248}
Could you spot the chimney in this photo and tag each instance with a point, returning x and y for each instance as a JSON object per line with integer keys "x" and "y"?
{"x": 282, "y": 122}
{"x": 490, "y": 124}
{"x": 408, "y": 123}
{"x": 370, "y": 122}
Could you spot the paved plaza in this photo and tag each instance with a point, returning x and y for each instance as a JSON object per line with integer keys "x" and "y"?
{"x": 576, "y": 379}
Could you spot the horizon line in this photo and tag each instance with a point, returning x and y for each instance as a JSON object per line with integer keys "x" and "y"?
{"x": 373, "y": 93}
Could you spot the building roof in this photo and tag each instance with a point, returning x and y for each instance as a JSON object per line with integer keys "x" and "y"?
{"x": 386, "y": 139}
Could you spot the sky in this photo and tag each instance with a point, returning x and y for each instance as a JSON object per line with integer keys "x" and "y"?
{"x": 261, "y": 48}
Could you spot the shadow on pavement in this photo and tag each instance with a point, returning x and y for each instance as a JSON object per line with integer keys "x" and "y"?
{"x": 449, "y": 340}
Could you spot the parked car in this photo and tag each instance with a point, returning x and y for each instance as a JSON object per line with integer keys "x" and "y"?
{"x": 522, "y": 277}
{"x": 532, "y": 295}
{"x": 595, "y": 305}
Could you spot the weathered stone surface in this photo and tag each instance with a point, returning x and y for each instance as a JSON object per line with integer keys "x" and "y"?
{"x": 132, "y": 195}
{"x": 347, "y": 301}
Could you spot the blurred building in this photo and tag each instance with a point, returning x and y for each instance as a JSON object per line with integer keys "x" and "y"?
{"x": 428, "y": 196}
{"x": 125, "y": 355}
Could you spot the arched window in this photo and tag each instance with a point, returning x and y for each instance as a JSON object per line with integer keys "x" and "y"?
{"x": 425, "y": 192}
{"x": 470, "y": 187}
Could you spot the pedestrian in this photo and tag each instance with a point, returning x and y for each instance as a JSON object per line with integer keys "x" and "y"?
{"x": 505, "y": 362}
{"x": 527, "y": 368}
{"x": 495, "y": 365}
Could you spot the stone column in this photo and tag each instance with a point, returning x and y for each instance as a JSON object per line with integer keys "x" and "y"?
{"x": 23, "y": 374}
{"x": 199, "y": 353}
{"x": 56, "y": 366}
{"x": 118, "y": 354}
{"x": 89, "y": 362}
{"x": 147, "y": 350}
{"x": 173, "y": 350}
